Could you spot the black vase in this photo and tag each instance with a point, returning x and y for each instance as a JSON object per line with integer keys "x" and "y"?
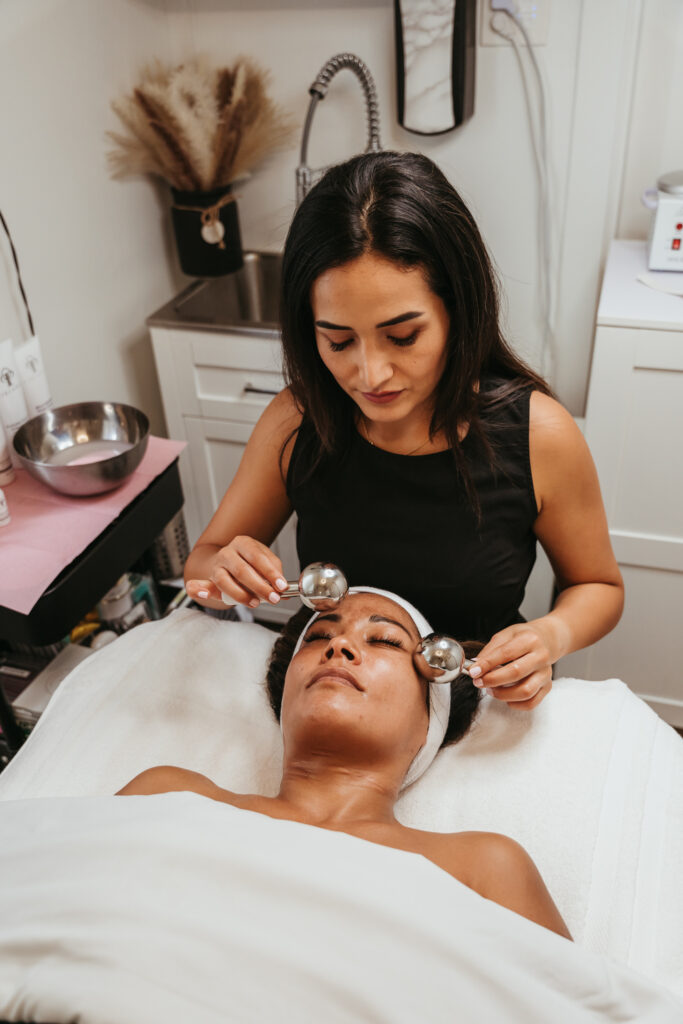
{"x": 207, "y": 232}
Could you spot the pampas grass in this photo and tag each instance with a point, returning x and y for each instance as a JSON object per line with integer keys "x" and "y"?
{"x": 197, "y": 126}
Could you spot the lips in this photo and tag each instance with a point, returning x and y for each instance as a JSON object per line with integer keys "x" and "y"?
{"x": 380, "y": 397}
{"x": 336, "y": 673}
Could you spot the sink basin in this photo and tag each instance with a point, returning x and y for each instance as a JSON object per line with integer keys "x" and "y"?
{"x": 247, "y": 299}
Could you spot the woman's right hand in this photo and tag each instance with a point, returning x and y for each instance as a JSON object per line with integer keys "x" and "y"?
{"x": 245, "y": 570}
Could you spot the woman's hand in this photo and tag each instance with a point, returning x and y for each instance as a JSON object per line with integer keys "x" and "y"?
{"x": 516, "y": 665}
{"x": 245, "y": 570}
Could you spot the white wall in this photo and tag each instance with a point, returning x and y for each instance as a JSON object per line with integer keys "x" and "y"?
{"x": 97, "y": 255}
{"x": 655, "y": 142}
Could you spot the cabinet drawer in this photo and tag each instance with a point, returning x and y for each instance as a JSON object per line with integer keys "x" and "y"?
{"x": 235, "y": 380}
{"x": 235, "y": 394}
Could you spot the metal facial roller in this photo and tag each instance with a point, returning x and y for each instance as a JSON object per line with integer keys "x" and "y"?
{"x": 321, "y": 586}
{"x": 440, "y": 659}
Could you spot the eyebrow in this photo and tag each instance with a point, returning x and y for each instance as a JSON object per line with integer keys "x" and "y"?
{"x": 385, "y": 323}
{"x": 394, "y": 622}
{"x": 335, "y": 617}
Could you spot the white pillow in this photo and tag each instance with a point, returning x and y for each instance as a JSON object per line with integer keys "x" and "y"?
{"x": 589, "y": 782}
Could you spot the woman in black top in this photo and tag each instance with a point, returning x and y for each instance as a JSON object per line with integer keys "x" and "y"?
{"x": 417, "y": 450}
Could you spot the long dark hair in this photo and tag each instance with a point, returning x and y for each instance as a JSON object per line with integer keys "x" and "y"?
{"x": 400, "y": 206}
{"x": 464, "y": 696}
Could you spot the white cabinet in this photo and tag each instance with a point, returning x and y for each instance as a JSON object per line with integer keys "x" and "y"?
{"x": 214, "y": 386}
{"x": 634, "y": 427}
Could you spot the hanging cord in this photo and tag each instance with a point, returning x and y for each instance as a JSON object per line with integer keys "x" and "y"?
{"x": 539, "y": 143}
{"x": 16, "y": 264}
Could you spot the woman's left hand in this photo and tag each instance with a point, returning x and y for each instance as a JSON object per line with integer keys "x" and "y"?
{"x": 516, "y": 665}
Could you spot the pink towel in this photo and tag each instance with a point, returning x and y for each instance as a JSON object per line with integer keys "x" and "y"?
{"x": 48, "y": 530}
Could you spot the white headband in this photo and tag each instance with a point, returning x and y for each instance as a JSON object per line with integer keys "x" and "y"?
{"x": 439, "y": 693}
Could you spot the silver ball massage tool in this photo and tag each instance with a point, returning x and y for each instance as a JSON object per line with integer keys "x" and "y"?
{"x": 440, "y": 659}
{"x": 321, "y": 586}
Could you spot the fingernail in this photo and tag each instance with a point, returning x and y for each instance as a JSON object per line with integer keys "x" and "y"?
{"x": 272, "y": 596}
{"x": 254, "y": 603}
{"x": 202, "y": 593}
{"x": 281, "y": 584}
{"x": 475, "y": 671}
{"x": 478, "y": 683}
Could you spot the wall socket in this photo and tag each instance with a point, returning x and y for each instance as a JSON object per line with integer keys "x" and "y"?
{"x": 534, "y": 15}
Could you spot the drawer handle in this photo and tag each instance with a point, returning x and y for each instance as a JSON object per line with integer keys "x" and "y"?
{"x": 249, "y": 389}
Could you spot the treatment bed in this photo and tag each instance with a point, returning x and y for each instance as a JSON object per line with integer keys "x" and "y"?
{"x": 177, "y": 908}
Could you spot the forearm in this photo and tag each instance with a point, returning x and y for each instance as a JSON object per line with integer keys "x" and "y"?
{"x": 581, "y": 615}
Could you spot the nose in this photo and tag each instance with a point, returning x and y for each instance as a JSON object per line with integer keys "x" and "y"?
{"x": 342, "y": 647}
{"x": 374, "y": 367}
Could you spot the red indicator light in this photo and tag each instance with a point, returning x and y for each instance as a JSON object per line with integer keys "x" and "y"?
{"x": 679, "y": 227}
{"x": 676, "y": 244}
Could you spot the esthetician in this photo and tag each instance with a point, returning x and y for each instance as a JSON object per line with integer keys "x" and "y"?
{"x": 417, "y": 450}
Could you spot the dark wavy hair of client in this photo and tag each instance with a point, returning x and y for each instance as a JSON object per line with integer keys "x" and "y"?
{"x": 464, "y": 696}
{"x": 401, "y": 207}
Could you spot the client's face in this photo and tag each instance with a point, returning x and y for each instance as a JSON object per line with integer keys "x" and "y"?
{"x": 354, "y": 678}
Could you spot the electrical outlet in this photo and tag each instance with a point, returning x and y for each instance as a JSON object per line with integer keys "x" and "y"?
{"x": 533, "y": 14}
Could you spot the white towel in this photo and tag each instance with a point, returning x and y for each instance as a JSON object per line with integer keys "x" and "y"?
{"x": 178, "y": 908}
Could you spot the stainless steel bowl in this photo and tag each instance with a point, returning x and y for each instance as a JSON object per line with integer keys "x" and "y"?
{"x": 108, "y": 440}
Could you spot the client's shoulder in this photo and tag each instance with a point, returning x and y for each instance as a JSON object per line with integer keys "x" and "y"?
{"x": 482, "y": 859}
{"x": 501, "y": 870}
{"x": 474, "y": 858}
{"x": 488, "y": 855}
{"x": 166, "y": 778}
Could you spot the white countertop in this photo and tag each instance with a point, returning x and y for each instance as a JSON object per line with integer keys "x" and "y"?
{"x": 627, "y": 302}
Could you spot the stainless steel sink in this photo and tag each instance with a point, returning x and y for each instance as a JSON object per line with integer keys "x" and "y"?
{"x": 247, "y": 299}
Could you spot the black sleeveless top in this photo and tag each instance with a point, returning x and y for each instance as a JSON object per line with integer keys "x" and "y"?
{"x": 405, "y": 523}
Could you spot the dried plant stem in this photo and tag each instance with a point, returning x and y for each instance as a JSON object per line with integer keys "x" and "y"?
{"x": 197, "y": 127}
{"x": 185, "y": 171}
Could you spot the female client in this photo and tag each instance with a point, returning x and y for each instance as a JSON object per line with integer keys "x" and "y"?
{"x": 359, "y": 723}
{"x": 416, "y": 448}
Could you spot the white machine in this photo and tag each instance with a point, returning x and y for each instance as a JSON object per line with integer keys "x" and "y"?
{"x": 665, "y": 251}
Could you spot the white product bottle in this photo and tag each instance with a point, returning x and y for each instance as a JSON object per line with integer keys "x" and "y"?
{"x": 29, "y": 359}
{"x": 6, "y": 470}
{"x": 5, "y": 517}
{"x": 13, "y": 411}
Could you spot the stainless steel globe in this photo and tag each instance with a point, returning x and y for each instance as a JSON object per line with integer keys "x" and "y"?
{"x": 321, "y": 586}
{"x": 440, "y": 659}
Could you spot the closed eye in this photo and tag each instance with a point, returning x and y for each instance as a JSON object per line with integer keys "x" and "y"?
{"x": 388, "y": 640}
{"x": 339, "y": 346}
{"x": 385, "y": 640}
{"x": 316, "y": 636}
{"x": 404, "y": 342}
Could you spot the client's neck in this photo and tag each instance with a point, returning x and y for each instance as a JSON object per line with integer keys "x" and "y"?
{"x": 338, "y": 794}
